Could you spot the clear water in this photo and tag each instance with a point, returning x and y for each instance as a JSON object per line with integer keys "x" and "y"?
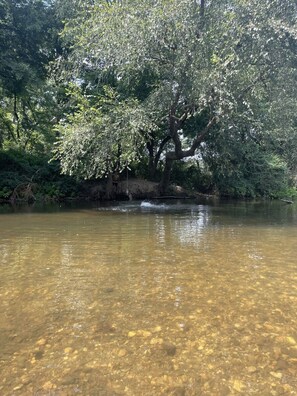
{"x": 148, "y": 299}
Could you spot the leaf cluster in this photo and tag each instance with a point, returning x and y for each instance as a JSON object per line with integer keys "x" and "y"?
{"x": 101, "y": 138}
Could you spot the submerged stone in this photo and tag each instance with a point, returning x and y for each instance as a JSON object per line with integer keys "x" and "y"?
{"x": 169, "y": 348}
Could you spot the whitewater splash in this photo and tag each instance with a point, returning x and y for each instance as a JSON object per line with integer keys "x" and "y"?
{"x": 150, "y": 205}
{"x": 144, "y": 205}
{"x": 147, "y": 206}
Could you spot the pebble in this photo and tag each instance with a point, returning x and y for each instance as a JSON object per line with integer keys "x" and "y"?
{"x": 276, "y": 374}
{"x": 18, "y": 387}
{"x": 41, "y": 342}
{"x": 291, "y": 340}
{"x": 238, "y": 385}
{"x": 169, "y": 348}
{"x": 281, "y": 365}
{"x": 292, "y": 352}
{"x": 25, "y": 380}
{"x": 109, "y": 290}
{"x": 48, "y": 385}
{"x": 156, "y": 341}
{"x": 184, "y": 326}
{"x": 122, "y": 353}
{"x": 251, "y": 369}
{"x": 38, "y": 355}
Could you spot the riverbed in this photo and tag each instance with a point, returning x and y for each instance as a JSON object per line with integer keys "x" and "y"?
{"x": 149, "y": 298}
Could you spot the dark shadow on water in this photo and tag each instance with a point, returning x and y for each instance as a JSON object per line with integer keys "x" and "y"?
{"x": 262, "y": 212}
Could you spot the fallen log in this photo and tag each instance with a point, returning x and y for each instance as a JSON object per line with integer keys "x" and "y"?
{"x": 288, "y": 201}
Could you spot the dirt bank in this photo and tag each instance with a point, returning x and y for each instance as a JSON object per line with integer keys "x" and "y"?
{"x": 135, "y": 189}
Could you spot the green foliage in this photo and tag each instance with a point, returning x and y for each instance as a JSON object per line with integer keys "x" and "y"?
{"x": 149, "y": 83}
{"x": 8, "y": 182}
{"x": 28, "y": 42}
{"x": 288, "y": 193}
{"x": 192, "y": 176}
{"x": 26, "y": 32}
{"x": 105, "y": 134}
{"x": 245, "y": 169}
{"x": 18, "y": 168}
{"x": 201, "y": 70}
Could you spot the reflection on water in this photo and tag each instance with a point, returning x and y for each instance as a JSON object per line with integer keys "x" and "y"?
{"x": 149, "y": 299}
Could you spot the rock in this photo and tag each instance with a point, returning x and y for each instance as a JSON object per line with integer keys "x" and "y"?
{"x": 176, "y": 391}
{"x": 141, "y": 333}
{"x": 41, "y": 342}
{"x": 292, "y": 352}
{"x": 238, "y": 385}
{"x": 122, "y": 353}
{"x": 144, "y": 333}
{"x": 184, "y": 326}
{"x": 48, "y": 385}
{"x": 38, "y": 355}
{"x": 276, "y": 374}
{"x": 291, "y": 340}
{"x": 68, "y": 380}
{"x": 251, "y": 369}
{"x": 239, "y": 326}
{"x": 25, "y": 380}
{"x": 156, "y": 341}
{"x": 277, "y": 352}
{"x": 104, "y": 327}
{"x": 108, "y": 290}
{"x": 281, "y": 365}
{"x": 18, "y": 387}
{"x": 169, "y": 348}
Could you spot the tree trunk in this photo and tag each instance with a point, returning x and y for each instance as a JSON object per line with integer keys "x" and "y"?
{"x": 202, "y": 7}
{"x": 155, "y": 155}
{"x": 164, "y": 184}
{"x": 16, "y": 116}
{"x": 151, "y": 164}
{"x": 109, "y": 192}
{"x": 179, "y": 153}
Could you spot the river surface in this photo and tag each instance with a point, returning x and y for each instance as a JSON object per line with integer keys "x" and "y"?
{"x": 181, "y": 298}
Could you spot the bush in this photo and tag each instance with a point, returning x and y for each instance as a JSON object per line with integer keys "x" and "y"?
{"x": 190, "y": 175}
{"x": 18, "y": 167}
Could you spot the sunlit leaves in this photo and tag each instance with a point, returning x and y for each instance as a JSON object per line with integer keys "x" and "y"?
{"x": 102, "y": 138}
{"x": 236, "y": 46}
{"x": 218, "y": 63}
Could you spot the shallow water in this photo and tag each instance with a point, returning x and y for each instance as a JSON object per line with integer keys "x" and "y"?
{"x": 149, "y": 299}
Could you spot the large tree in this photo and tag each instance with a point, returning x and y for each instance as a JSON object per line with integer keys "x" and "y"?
{"x": 210, "y": 64}
{"x": 28, "y": 42}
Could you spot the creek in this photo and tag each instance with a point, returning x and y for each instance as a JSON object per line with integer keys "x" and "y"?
{"x": 152, "y": 298}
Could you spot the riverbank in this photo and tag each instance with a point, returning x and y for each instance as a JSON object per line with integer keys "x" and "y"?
{"x": 27, "y": 178}
{"x": 138, "y": 189}
{"x": 134, "y": 188}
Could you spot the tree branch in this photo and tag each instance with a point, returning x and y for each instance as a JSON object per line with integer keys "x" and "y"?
{"x": 202, "y": 8}
{"x": 160, "y": 150}
{"x": 179, "y": 154}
